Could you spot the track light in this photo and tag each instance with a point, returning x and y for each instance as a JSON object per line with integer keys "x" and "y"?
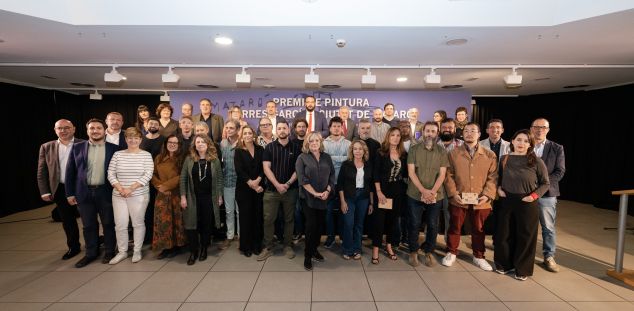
{"x": 513, "y": 79}
{"x": 311, "y": 80}
{"x": 96, "y": 96}
{"x": 368, "y": 80}
{"x": 170, "y": 77}
{"x": 165, "y": 97}
{"x": 113, "y": 76}
{"x": 243, "y": 79}
{"x": 432, "y": 79}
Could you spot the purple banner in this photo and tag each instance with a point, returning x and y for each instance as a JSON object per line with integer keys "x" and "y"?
{"x": 361, "y": 103}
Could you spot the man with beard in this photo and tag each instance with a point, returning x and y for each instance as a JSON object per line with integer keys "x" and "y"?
{"x": 299, "y": 127}
{"x": 316, "y": 120}
{"x": 364, "y": 130}
{"x": 426, "y": 167}
{"x": 406, "y": 134}
{"x": 114, "y": 134}
{"x": 379, "y": 128}
{"x": 87, "y": 187}
{"x": 281, "y": 189}
{"x": 495, "y": 143}
{"x": 152, "y": 141}
{"x": 461, "y": 120}
{"x": 448, "y": 142}
{"x": 388, "y": 115}
{"x": 473, "y": 171}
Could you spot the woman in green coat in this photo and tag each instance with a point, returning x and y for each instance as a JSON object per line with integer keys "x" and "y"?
{"x": 201, "y": 188}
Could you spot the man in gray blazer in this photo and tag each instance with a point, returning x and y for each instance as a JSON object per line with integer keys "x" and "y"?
{"x": 495, "y": 143}
{"x": 51, "y": 177}
{"x": 555, "y": 160}
{"x": 348, "y": 126}
{"x": 215, "y": 122}
{"x": 416, "y": 126}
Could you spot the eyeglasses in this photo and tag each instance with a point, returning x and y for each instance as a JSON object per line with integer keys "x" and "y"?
{"x": 63, "y": 128}
{"x": 266, "y": 124}
{"x": 539, "y": 127}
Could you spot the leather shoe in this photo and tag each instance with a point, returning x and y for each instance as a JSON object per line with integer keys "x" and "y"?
{"x": 84, "y": 261}
{"x": 71, "y": 253}
{"x": 203, "y": 254}
{"x": 106, "y": 258}
{"x": 308, "y": 264}
{"x": 247, "y": 253}
{"x": 318, "y": 256}
{"x": 192, "y": 259}
{"x": 163, "y": 254}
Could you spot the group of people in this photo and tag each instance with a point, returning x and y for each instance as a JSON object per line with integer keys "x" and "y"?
{"x": 168, "y": 179}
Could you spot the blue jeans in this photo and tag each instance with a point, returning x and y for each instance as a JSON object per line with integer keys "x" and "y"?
{"x": 299, "y": 218}
{"x": 333, "y": 204}
{"x": 353, "y": 223}
{"x": 547, "y": 215}
{"x": 416, "y": 209}
{"x": 231, "y": 208}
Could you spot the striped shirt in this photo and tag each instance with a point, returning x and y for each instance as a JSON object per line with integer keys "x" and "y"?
{"x": 282, "y": 160}
{"x": 228, "y": 169}
{"x": 338, "y": 151}
{"x": 126, "y": 168}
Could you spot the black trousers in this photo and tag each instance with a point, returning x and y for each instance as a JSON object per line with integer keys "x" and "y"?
{"x": 201, "y": 237}
{"x": 251, "y": 231}
{"x": 314, "y": 225}
{"x": 386, "y": 220}
{"x": 516, "y": 234}
{"x": 98, "y": 203}
{"x": 149, "y": 216}
{"x": 69, "y": 220}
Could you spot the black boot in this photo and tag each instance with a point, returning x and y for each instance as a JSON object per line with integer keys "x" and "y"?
{"x": 203, "y": 253}
{"x": 192, "y": 258}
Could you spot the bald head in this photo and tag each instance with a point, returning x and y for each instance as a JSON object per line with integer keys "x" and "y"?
{"x": 64, "y": 129}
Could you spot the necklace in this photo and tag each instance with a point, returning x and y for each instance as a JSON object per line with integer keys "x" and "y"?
{"x": 200, "y": 171}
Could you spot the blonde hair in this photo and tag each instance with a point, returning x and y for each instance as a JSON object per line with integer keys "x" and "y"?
{"x": 211, "y": 153}
{"x": 366, "y": 151}
{"x": 311, "y": 135}
{"x": 241, "y": 143}
{"x": 133, "y": 132}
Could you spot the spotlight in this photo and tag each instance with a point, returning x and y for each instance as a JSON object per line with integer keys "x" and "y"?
{"x": 311, "y": 80}
{"x": 513, "y": 79}
{"x": 113, "y": 76}
{"x": 368, "y": 81}
{"x": 165, "y": 97}
{"x": 96, "y": 96}
{"x": 243, "y": 79}
{"x": 223, "y": 40}
{"x": 170, "y": 77}
{"x": 432, "y": 79}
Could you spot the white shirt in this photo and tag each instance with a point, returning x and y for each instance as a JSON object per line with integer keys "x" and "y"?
{"x": 539, "y": 149}
{"x": 113, "y": 138}
{"x": 274, "y": 124}
{"x": 359, "y": 179}
{"x": 63, "y": 151}
{"x": 413, "y": 127}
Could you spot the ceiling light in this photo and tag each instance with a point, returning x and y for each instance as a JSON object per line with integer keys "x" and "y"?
{"x": 368, "y": 80}
{"x": 165, "y": 97}
{"x": 401, "y": 79}
{"x": 311, "y": 80}
{"x": 96, "y": 96}
{"x": 460, "y": 41}
{"x": 223, "y": 40}
{"x": 170, "y": 77}
{"x": 113, "y": 76}
{"x": 432, "y": 79}
{"x": 243, "y": 79}
{"x": 513, "y": 79}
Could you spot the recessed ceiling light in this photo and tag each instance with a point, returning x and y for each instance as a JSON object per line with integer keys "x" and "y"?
{"x": 207, "y": 86}
{"x": 460, "y": 41}
{"x": 330, "y": 86}
{"x": 268, "y": 86}
{"x": 452, "y": 86}
{"x": 401, "y": 79}
{"x": 223, "y": 40}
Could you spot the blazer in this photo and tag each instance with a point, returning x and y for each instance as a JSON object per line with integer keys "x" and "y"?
{"x": 48, "y": 170}
{"x": 555, "y": 160}
{"x": 418, "y": 128}
{"x": 347, "y": 179}
{"x": 352, "y": 129}
{"x": 504, "y": 149}
{"x": 319, "y": 174}
{"x": 122, "y": 144}
{"x": 383, "y": 168}
{"x": 247, "y": 167}
{"x": 321, "y": 124}
{"x": 217, "y": 124}
{"x": 478, "y": 174}
{"x": 77, "y": 168}
{"x": 190, "y": 216}
{"x": 171, "y": 128}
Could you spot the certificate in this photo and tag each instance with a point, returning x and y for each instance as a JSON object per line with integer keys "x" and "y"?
{"x": 387, "y": 205}
{"x": 470, "y": 198}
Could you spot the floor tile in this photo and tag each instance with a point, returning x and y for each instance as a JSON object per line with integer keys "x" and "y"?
{"x": 224, "y": 287}
{"x": 398, "y": 286}
{"x": 335, "y": 286}
{"x": 50, "y": 287}
{"x": 457, "y": 286}
{"x": 231, "y": 260}
{"x": 166, "y": 287}
{"x": 470, "y": 306}
{"x": 22, "y": 306}
{"x": 278, "y": 306}
{"x": 145, "y": 306}
{"x": 81, "y": 306}
{"x": 570, "y": 286}
{"x": 108, "y": 287}
{"x": 215, "y": 306}
{"x": 10, "y": 281}
{"x": 541, "y": 306}
{"x": 179, "y": 263}
{"x": 613, "y": 285}
{"x": 602, "y": 306}
{"x": 343, "y": 306}
{"x": 283, "y": 286}
{"x": 408, "y": 306}
{"x": 506, "y": 288}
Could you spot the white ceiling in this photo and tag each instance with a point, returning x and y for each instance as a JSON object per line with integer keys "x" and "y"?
{"x": 554, "y": 43}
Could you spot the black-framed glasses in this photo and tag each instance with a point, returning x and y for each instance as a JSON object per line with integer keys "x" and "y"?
{"x": 539, "y": 127}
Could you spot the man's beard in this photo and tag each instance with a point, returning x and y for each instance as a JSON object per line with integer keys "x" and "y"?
{"x": 153, "y": 130}
{"x": 447, "y": 136}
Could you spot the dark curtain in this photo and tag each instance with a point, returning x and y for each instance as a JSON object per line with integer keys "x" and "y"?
{"x": 595, "y": 128}
{"x": 33, "y": 126}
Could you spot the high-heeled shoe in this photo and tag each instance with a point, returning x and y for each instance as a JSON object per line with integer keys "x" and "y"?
{"x": 203, "y": 254}
{"x": 192, "y": 258}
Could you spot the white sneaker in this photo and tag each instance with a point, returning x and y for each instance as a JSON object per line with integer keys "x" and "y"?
{"x": 136, "y": 257}
{"x": 449, "y": 260}
{"x": 482, "y": 264}
{"x": 116, "y": 259}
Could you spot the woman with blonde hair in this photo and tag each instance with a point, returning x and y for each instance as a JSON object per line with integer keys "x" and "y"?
{"x": 201, "y": 186}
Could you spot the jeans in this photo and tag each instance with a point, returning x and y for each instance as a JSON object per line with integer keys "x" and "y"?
{"x": 547, "y": 215}
{"x": 98, "y": 203}
{"x": 353, "y": 223}
{"x": 333, "y": 204}
{"x": 416, "y": 209}
{"x": 231, "y": 209}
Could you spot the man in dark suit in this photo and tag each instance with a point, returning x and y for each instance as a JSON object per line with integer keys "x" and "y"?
{"x": 316, "y": 120}
{"x": 88, "y": 187}
{"x": 271, "y": 113}
{"x": 348, "y": 126}
{"x": 114, "y": 134}
{"x": 555, "y": 160}
{"x": 51, "y": 180}
{"x": 215, "y": 122}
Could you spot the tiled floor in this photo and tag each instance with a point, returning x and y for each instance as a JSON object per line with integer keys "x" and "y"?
{"x": 32, "y": 276}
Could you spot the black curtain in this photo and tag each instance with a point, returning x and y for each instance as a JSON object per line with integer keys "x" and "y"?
{"x": 27, "y": 130}
{"x": 595, "y": 128}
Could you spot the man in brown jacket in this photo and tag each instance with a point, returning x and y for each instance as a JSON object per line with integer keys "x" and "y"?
{"x": 473, "y": 171}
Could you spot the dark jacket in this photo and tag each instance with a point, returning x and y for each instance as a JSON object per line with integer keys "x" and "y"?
{"x": 319, "y": 175}
{"x": 555, "y": 160}
{"x": 247, "y": 167}
{"x": 383, "y": 168}
{"x": 321, "y": 124}
{"x": 77, "y": 168}
{"x": 347, "y": 179}
{"x": 48, "y": 168}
